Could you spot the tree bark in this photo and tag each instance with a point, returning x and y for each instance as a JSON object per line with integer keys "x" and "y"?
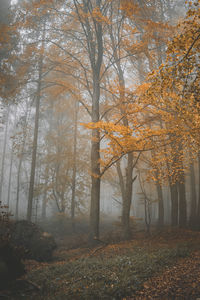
{"x": 74, "y": 165}
{"x": 11, "y": 165}
{"x": 160, "y": 205}
{"x": 93, "y": 33}
{"x": 127, "y": 198}
{"x": 10, "y": 177}
{"x": 4, "y": 153}
{"x": 182, "y": 203}
{"x": 174, "y": 204}
{"x": 44, "y": 206}
{"x": 35, "y": 140}
{"x": 95, "y": 166}
{"x": 127, "y": 183}
{"x": 193, "y": 198}
{"x": 18, "y": 188}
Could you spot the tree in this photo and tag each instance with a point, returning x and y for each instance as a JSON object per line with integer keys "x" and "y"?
{"x": 174, "y": 94}
{"x": 88, "y": 46}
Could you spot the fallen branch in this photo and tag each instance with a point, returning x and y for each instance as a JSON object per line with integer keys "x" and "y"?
{"x": 99, "y": 248}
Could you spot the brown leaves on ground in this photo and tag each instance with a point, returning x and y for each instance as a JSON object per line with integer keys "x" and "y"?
{"x": 180, "y": 282}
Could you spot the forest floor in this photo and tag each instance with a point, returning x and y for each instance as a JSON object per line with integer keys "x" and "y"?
{"x": 165, "y": 265}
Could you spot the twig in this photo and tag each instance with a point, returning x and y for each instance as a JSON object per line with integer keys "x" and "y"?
{"x": 99, "y": 248}
{"x": 31, "y": 283}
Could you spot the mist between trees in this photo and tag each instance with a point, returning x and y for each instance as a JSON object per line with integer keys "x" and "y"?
{"x": 100, "y": 111}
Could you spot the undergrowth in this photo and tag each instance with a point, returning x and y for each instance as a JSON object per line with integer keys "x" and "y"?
{"x": 104, "y": 277}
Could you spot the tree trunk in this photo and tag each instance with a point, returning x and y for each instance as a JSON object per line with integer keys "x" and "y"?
{"x": 128, "y": 181}
{"x": 95, "y": 168}
{"x": 18, "y": 188}
{"x": 193, "y": 199}
{"x": 160, "y": 205}
{"x": 10, "y": 176}
{"x": 44, "y": 202}
{"x": 174, "y": 204}
{"x": 11, "y": 165}
{"x": 44, "y": 206}
{"x": 127, "y": 198}
{"x": 35, "y": 140}
{"x": 4, "y": 153}
{"x": 74, "y": 166}
{"x": 96, "y": 57}
{"x": 182, "y": 203}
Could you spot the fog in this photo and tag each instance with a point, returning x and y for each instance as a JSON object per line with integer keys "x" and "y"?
{"x": 53, "y": 162}
{"x": 99, "y": 149}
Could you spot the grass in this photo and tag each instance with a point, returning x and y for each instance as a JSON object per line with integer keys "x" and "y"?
{"x": 104, "y": 276}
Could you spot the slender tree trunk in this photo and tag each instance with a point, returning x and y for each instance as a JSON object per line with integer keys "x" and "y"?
{"x": 193, "y": 198}
{"x": 174, "y": 204}
{"x": 10, "y": 177}
{"x": 173, "y": 191}
{"x": 44, "y": 206}
{"x": 128, "y": 181}
{"x": 160, "y": 205}
{"x": 11, "y": 165}
{"x": 147, "y": 215}
{"x": 182, "y": 202}
{"x": 182, "y": 195}
{"x": 95, "y": 168}
{"x": 160, "y": 197}
{"x": 74, "y": 166}
{"x": 35, "y": 140}
{"x": 127, "y": 197}
{"x": 20, "y": 167}
{"x": 44, "y": 202}
{"x": 4, "y": 153}
{"x": 18, "y": 187}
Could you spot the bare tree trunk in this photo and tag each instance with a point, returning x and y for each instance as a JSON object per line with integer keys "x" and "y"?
{"x": 10, "y": 176}
{"x": 18, "y": 187}
{"x": 4, "y": 153}
{"x": 35, "y": 140}
{"x": 160, "y": 205}
{"x": 74, "y": 165}
{"x": 11, "y": 165}
{"x": 182, "y": 194}
{"x": 44, "y": 202}
{"x": 95, "y": 167}
{"x": 94, "y": 38}
{"x": 173, "y": 187}
{"x": 44, "y": 206}
{"x": 147, "y": 215}
{"x": 193, "y": 199}
{"x": 182, "y": 202}
{"x": 128, "y": 181}
{"x": 127, "y": 197}
{"x": 174, "y": 203}
{"x": 92, "y": 30}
